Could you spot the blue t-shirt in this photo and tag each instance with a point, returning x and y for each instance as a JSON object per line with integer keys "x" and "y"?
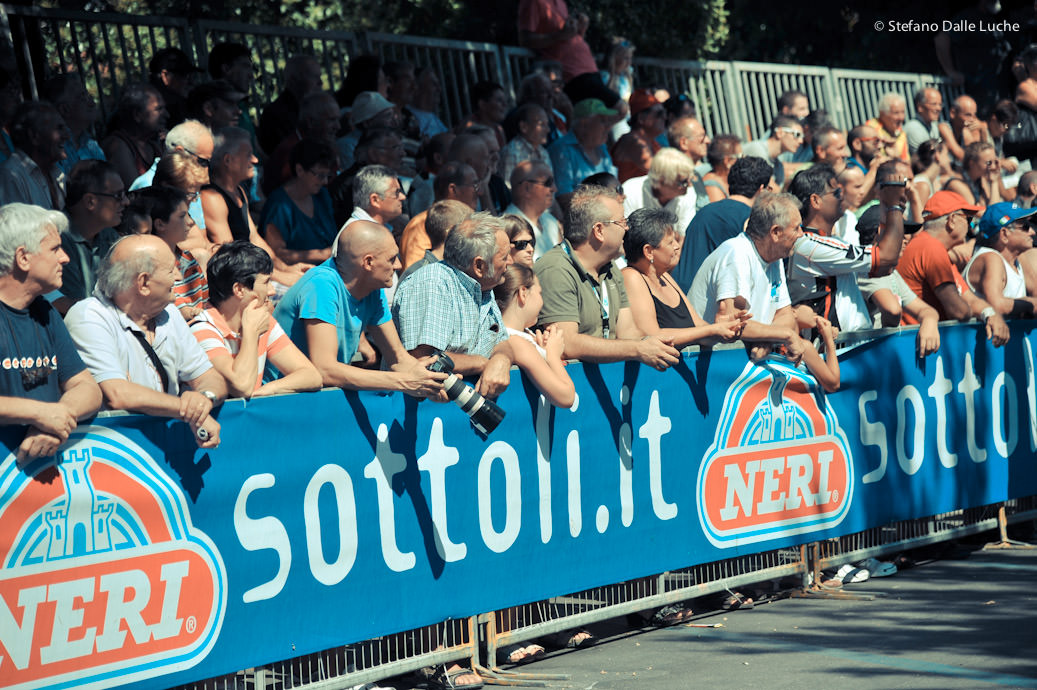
{"x": 712, "y": 226}
{"x": 298, "y": 230}
{"x": 35, "y": 341}
{"x": 320, "y": 294}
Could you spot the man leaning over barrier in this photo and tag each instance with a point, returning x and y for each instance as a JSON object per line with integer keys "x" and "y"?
{"x": 927, "y": 269}
{"x": 745, "y": 272}
{"x": 449, "y": 306}
{"x": 138, "y": 347}
{"x": 44, "y": 385}
{"x": 583, "y": 292}
{"x": 994, "y": 273}
{"x": 329, "y": 308}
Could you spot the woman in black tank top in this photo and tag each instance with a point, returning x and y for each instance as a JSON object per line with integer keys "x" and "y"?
{"x": 658, "y": 305}
{"x": 223, "y": 199}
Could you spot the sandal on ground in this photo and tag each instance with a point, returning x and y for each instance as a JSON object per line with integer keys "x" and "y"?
{"x": 670, "y": 615}
{"x": 523, "y": 655}
{"x": 444, "y": 679}
{"x": 580, "y": 639}
{"x": 737, "y": 601}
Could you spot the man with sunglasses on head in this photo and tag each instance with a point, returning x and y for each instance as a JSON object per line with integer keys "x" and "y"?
{"x": 822, "y": 262}
{"x": 532, "y": 195}
{"x": 786, "y": 135}
{"x": 194, "y": 139}
{"x": 94, "y": 202}
{"x": 44, "y": 385}
{"x": 926, "y": 265}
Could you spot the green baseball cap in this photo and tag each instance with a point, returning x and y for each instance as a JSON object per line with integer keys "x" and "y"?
{"x": 591, "y": 106}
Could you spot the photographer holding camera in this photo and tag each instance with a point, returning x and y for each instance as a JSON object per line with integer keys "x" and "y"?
{"x": 449, "y": 306}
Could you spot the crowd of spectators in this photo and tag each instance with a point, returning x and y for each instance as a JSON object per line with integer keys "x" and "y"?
{"x": 352, "y": 236}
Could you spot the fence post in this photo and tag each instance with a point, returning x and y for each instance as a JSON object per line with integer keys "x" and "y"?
{"x": 739, "y": 115}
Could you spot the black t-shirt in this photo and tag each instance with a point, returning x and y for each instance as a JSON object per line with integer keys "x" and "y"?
{"x": 35, "y": 342}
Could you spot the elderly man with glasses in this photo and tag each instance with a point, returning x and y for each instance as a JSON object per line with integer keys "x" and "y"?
{"x": 194, "y": 139}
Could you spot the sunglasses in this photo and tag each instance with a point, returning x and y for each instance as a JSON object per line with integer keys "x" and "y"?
{"x": 119, "y": 196}
{"x": 204, "y": 162}
{"x": 519, "y": 245}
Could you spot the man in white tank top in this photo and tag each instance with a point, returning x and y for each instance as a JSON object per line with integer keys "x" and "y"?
{"x": 994, "y": 273}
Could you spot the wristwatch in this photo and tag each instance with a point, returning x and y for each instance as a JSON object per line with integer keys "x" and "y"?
{"x": 210, "y": 395}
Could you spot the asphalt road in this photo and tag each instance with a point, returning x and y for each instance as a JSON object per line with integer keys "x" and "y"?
{"x": 962, "y": 623}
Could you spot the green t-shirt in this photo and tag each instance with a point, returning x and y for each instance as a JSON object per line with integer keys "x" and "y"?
{"x": 571, "y": 294}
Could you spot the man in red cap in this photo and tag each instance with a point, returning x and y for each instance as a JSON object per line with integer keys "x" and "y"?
{"x": 633, "y": 153}
{"x": 927, "y": 269}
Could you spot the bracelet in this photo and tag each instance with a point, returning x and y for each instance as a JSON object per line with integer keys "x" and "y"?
{"x": 986, "y": 314}
{"x": 896, "y": 208}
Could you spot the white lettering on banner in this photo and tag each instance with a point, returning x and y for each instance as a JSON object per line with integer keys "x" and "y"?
{"x": 938, "y": 392}
{"x": 1031, "y": 392}
{"x": 72, "y": 599}
{"x": 499, "y": 542}
{"x": 68, "y": 616}
{"x": 572, "y": 465}
{"x": 626, "y": 477}
{"x": 543, "y": 439}
{"x": 1003, "y": 404}
{"x": 968, "y": 386}
{"x": 120, "y": 609}
{"x": 872, "y": 434}
{"x": 1004, "y": 446}
{"x": 338, "y": 479}
{"x": 261, "y": 534}
{"x": 386, "y": 465}
{"x": 910, "y": 463}
{"x": 655, "y": 427}
{"x": 436, "y": 459}
{"x": 626, "y": 473}
{"x": 17, "y": 639}
{"x": 793, "y": 473}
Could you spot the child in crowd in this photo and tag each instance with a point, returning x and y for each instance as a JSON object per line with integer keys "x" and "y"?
{"x": 618, "y": 75}
{"x": 540, "y": 356}
{"x": 825, "y": 369}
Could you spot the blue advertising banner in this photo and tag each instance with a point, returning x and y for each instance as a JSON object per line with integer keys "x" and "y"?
{"x": 334, "y": 517}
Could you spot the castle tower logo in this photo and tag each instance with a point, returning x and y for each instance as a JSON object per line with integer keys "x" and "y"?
{"x": 779, "y": 465}
{"x": 103, "y": 578}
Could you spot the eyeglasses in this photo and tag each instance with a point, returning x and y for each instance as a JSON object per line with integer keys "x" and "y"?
{"x": 323, "y": 176}
{"x": 621, "y": 223}
{"x": 204, "y": 162}
{"x": 519, "y": 245}
{"x": 549, "y": 183}
{"x": 837, "y": 192}
{"x": 474, "y": 185}
{"x": 796, "y": 134}
{"x": 119, "y": 196}
{"x": 618, "y": 189}
{"x": 683, "y": 184}
{"x": 398, "y": 192}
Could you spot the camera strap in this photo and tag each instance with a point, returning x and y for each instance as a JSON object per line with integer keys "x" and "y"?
{"x": 153, "y": 356}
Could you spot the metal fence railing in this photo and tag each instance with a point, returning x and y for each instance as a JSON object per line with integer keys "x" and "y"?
{"x": 271, "y": 47}
{"x": 460, "y": 65}
{"x": 730, "y": 97}
{"x": 109, "y": 50}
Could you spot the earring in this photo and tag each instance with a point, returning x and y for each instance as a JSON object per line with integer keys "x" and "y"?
{"x": 651, "y": 260}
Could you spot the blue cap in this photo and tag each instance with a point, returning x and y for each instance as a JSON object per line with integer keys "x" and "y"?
{"x": 1000, "y": 215}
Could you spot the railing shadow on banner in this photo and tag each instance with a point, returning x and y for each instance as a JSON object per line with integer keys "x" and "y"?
{"x": 314, "y": 548}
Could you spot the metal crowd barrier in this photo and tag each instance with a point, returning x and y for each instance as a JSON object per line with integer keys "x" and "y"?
{"x": 271, "y": 47}
{"x": 460, "y": 65}
{"x": 737, "y": 97}
{"x": 363, "y": 662}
